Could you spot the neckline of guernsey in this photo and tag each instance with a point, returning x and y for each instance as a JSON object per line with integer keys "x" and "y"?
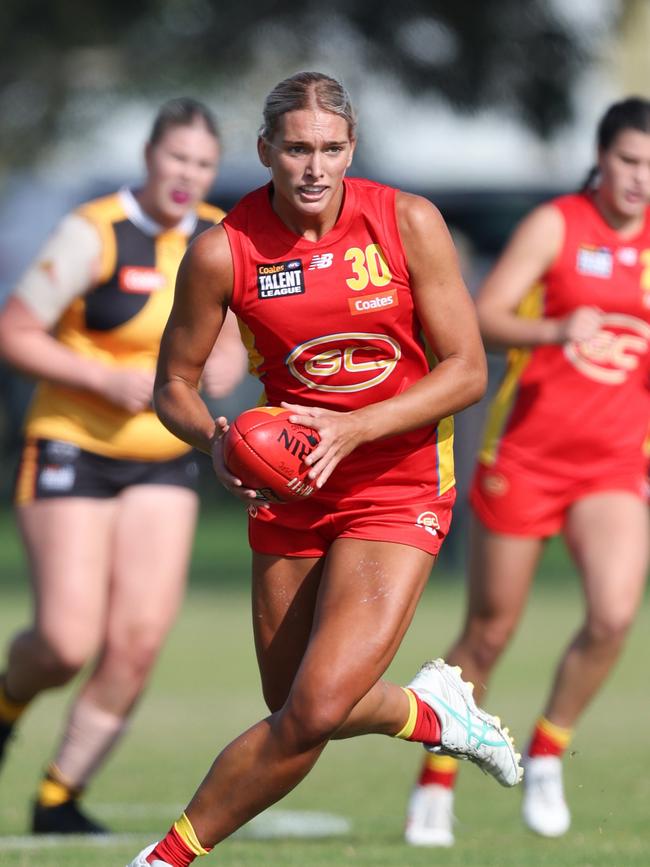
{"x": 144, "y": 222}
{"x": 338, "y": 229}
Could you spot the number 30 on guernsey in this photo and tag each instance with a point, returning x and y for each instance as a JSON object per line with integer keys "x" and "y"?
{"x": 368, "y": 266}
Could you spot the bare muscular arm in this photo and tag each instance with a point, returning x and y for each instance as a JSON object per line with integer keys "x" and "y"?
{"x": 203, "y": 290}
{"x": 527, "y": 257}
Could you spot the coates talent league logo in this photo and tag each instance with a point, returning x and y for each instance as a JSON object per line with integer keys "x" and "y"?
{"x": 279, "y": 279}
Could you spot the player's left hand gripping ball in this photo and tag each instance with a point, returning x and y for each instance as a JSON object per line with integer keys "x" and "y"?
{"x": 267, "y": 452}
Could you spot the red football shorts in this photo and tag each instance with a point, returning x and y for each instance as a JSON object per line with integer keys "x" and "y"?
{"x": 519, "y": 502}
{"x": 308, "y": 527}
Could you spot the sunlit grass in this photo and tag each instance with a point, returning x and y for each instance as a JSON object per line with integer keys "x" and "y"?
{"x": 206, "y": 690}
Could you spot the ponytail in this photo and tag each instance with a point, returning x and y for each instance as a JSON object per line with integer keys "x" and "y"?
{"x": 589, "y": 182}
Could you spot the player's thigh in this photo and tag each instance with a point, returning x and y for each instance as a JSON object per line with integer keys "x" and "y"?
{"x": 284, "y": 596}
{"x": 154, "y": 531}
{"x": 367, "y": 598}
{"x": 68, "y": 542}
{"x": 501, "y": 570}
{"x": 608, "y": 536}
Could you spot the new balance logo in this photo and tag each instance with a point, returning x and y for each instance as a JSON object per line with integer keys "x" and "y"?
{"x": 321, "y": 260}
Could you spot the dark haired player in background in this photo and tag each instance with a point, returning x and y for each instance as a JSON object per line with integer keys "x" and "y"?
{"x": 563, "y": 451}
{"x": 105, "y": 495}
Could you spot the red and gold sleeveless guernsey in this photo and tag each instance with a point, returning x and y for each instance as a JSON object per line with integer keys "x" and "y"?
{"x": 119, "y": 322}
{"x": 332, "y": 323}
{"x": 580, "y": 411}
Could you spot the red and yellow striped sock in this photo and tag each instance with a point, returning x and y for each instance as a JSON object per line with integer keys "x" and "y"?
{"x": 438, "y": 771}
{"x": 548, "y": 739}
{"x": 180, "y": 846}
{"x": 422, "y": 724}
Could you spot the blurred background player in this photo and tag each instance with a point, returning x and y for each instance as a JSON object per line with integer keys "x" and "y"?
{"x": 335, "y": 578}
{"x": 105, "y": 496}
{"x": 562, "y": 451}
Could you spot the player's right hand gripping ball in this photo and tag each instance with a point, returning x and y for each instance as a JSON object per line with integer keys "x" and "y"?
{"x": 267, "y": 452}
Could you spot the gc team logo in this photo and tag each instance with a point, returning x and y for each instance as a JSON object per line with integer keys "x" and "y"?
{"x": 429, "y": 522}
{"x": 346, "y": 362}
{"x": 612, "y": 354}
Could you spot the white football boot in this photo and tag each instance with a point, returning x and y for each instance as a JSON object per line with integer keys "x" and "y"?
{"x": 543, "y": 808}
{"x": 429, "y": 816}
{"x": 140, "y": 860}
{"x": 467, "y": 732}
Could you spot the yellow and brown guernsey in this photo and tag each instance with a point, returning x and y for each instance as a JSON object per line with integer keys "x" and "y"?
{"x": 119, "y": 321}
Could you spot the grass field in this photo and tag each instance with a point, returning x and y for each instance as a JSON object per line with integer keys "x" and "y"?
{"x": 205, "y": 691}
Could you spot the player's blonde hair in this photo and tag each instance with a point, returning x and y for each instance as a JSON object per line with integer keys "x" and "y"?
{"x": 307, "y": 90}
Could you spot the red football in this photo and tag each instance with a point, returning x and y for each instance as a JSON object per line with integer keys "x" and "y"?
{"x": 267, "y": 452}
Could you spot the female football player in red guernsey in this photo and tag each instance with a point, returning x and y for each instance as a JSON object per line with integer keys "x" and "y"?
{"x": 563, "y": 451}
{"x": 337, "y": 284}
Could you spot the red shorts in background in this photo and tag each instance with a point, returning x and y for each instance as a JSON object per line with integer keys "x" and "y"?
{"x": 519, "y": 502}
{"x": 307, "y": 528}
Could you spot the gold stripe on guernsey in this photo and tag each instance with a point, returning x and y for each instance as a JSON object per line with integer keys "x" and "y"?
{"x": 26, "y": 483}
{"x": 531, "y": 307}
{"x": 255, "y": 359}
{"x": 409, "y": 726}
{"x": 445, "y": 438}
{"x": 446, "y": 453}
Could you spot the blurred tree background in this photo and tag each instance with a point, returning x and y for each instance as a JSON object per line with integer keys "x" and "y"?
{"x": 485, "y": 106}
{"x": 65, "y": 63}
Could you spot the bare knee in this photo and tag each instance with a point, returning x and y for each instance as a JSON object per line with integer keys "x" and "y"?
{"x": 277, "y": 681}
{"x": 131, "y": 660}
{"x": 608, "y": 629}
{"x": 484, "y": 640}
{"x": 57, "y": 658}
{"x": 310, "y": 722}
{"x": 274, "y": 695}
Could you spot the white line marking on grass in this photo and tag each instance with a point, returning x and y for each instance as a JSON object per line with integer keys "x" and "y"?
{"x": 294, "y": 823}
{"x": 51, "y": 841}
{"x": 270, "y": 825}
